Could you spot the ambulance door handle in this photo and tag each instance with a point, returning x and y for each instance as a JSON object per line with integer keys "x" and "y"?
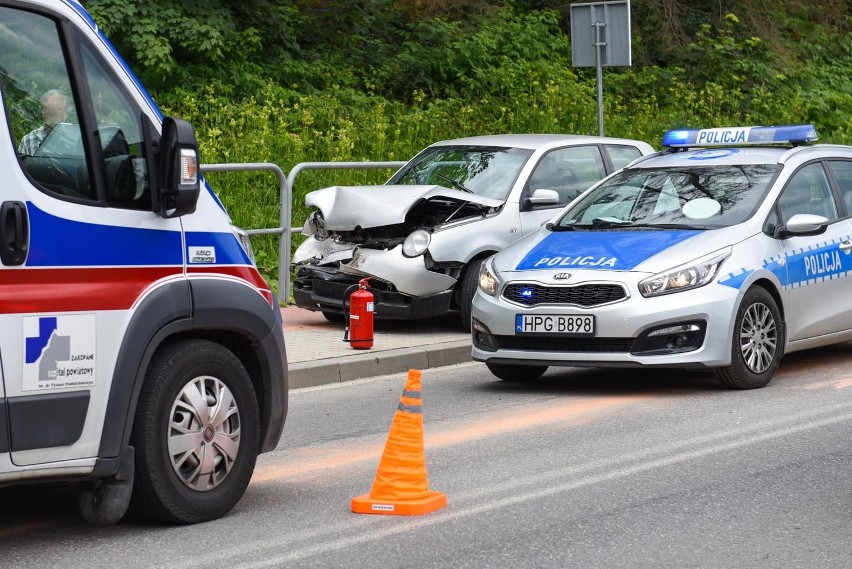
{"x": 14, "y": 232}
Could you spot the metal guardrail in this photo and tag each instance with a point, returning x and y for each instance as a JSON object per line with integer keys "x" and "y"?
{"x": 285, "y": 196}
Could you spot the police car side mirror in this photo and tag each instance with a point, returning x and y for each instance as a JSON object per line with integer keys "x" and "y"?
{"x": 802, "y": 224}
{"x": 177, "y": 169}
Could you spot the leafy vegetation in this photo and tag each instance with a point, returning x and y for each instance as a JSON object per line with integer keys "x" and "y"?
{"x": 290, "y": 81}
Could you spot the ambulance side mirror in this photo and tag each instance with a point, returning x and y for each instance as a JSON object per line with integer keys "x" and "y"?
{"x": 176, "y": 184}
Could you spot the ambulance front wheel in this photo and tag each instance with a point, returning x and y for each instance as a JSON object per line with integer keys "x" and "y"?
{"x": 196, "y": 433}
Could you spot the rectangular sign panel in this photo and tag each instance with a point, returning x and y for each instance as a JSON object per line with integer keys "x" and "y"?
{"x": 609, "y": 21}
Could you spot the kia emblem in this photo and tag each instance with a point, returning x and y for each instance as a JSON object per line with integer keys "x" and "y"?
{"x": 561, "y": 276}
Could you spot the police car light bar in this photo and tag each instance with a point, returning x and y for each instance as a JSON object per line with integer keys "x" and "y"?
{"x": 741, "y": 135}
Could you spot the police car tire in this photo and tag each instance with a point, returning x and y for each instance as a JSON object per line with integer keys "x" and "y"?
{"x": 158, "y": 492}
{"x": 519, "y": 373}
{"x": 738, "y": 375}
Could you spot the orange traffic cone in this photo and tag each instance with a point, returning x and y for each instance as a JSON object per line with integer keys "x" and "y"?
{"x": 401, "y": 486}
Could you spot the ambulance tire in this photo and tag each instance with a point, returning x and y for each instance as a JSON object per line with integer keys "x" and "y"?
{"x": 516, "y": 373}
{"x": 757, "y": 344}
{"x": 167, "y": 486}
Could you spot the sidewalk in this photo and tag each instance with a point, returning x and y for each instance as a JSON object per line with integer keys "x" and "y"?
{"x": 317, "y": 354}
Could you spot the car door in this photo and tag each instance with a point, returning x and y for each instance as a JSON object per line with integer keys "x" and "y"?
{"x": 818, "y": 266}
{"x": 82, "y": 242}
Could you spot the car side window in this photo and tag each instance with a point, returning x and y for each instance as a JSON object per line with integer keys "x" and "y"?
{"x": 621, "y": 155}
{"x": 807, "y": 191}
{"x": 42, "y": 109}
{"x": 841, "y": 170}
{"x": 569, "y": 171}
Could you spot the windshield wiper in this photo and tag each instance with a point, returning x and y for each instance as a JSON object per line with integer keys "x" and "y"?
{"x": 456, "y": 184}
{"x": 554, "y": 227}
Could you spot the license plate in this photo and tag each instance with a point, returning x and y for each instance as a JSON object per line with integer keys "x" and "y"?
{"x": 566, "y": 325}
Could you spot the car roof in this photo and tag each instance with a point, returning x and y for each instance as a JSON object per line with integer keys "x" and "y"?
{"x": 732, "y": 156}
{"x": 533, "y": 141}
{"x": 714, "y": 156}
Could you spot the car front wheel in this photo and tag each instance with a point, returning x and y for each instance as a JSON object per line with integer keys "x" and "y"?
{"x": 196, "y": 433}
{"x": 757, "y": 344}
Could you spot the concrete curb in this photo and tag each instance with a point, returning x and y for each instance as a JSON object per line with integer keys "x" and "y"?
{"x": 336, "y": 370}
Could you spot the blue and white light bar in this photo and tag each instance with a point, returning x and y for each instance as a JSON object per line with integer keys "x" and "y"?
{"x": 741, "y": 135}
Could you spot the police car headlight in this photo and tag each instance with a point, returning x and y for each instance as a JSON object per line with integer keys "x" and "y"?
{"x": 691, "y": 276}
{"x": 416, "y": 243}
{"x": 488, "y": 283}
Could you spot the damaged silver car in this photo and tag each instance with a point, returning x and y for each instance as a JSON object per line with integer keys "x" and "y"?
{"x": 422, "y": 236}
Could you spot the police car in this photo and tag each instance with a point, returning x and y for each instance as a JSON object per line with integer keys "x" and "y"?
{"x": 725, "y": 251}
{"x": 141, "y": 352}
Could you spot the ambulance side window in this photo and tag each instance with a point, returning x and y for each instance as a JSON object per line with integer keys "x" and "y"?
{"x": 120, "y": 133}
{"x": 41, "y": 106}
{"x": 41, "y": 96}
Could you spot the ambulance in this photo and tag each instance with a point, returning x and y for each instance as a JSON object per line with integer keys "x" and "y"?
{"x": 141, "y": 352}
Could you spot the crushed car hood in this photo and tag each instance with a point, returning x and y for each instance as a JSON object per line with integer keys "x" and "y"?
{"x": 346, "y": 207}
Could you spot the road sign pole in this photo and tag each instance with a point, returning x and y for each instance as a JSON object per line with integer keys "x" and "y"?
{"x": 599, "y": 64}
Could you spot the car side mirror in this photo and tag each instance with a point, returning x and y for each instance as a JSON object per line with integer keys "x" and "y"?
{"x": 176, "y": 185}
{"x": 802, "y": 224}
{"x": 544, "y": 197}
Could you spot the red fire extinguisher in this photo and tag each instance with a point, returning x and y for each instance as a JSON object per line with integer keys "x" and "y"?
{"x": 359, "y": 327}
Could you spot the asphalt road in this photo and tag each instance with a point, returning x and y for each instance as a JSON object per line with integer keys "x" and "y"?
{"x": 586, "y": 468}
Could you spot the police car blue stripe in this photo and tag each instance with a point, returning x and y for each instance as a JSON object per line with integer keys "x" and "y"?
{"x": 801, "y": 267}
{"x": 601, "y": 250}
{"x": 97, "y": 245}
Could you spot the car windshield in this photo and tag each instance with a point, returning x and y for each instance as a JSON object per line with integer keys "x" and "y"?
{"x": 687, "y": 197}
{"x": 485, "y": 171}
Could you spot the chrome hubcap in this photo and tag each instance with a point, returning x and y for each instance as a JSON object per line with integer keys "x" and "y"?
{"x": 758, "y": 338}
{"x": 204, "y": 433}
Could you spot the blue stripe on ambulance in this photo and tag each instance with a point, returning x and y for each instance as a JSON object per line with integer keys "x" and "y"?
{"x": 600, "y": 250}
{"x": 111, "y": 245}
{"x": 228, "y": 250}
{"x": 97, "y": 245}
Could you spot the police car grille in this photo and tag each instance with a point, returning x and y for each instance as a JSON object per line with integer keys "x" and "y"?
{"x": 563, "y": 344}
{"x": 582, "y": 295}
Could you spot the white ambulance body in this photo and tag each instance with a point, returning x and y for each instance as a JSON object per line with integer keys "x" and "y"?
{"x": 139, "y": 346}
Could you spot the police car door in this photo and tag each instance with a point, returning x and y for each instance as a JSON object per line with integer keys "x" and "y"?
{"x": 81, "y": 243}
{"x": 817, "y": 266}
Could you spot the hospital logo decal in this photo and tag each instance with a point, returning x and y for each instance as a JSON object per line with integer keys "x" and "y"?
{"x": 59, "y": 352}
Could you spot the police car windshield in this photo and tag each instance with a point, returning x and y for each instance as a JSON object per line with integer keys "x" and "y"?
{"x": 664, "y": 198}
{"x": 487, "y": 171}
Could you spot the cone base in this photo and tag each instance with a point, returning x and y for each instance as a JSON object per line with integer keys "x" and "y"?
{"x": 365, "y": 505}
